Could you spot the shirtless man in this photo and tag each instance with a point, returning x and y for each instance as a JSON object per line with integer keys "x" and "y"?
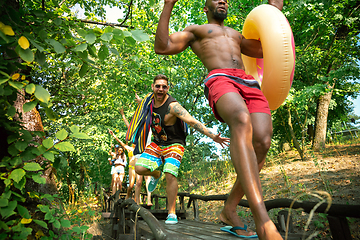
{"x": 236, "y": 99}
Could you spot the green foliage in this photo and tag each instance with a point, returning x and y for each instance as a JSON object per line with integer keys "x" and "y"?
{"x": 77, "y": 74}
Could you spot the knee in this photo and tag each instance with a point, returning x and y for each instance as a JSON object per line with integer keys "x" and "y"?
{"x": 240, "y": 120}
{"x": 140, "y": 170}
{"x": 262, "y": 144}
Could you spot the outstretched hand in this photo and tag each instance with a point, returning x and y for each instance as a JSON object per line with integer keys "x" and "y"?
{"x": 221, "y": 140}
{"x": 121, "y": 110}
{"x": 111, "y": 132}
{"x": 137, "y": 98}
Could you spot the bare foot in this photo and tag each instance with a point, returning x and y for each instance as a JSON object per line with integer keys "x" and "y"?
{"x": 233, "y": 219}
{"x": 268, "y": 231}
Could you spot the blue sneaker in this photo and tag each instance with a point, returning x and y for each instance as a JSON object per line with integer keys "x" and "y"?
{"x": 153, "y": 182}
{"x": 171, "y": 219}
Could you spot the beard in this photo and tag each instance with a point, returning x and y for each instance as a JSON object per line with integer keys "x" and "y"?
{"x": 219, "y": 15}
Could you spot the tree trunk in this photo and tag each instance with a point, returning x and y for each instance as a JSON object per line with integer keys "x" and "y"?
{"x": 31, "y": 121}
{"x": 295, "y": 141}
{"x": 321, "y": 120}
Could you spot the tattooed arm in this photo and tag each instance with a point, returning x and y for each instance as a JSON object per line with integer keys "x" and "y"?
{"x": 177, "y": 110}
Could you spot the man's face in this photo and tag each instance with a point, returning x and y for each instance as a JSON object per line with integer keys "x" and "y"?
{"x": 160, "y": 88}
{"x": 218, "y": 8}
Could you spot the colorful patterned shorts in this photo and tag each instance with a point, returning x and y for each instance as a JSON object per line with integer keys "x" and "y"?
{"x": 155, "y": 155}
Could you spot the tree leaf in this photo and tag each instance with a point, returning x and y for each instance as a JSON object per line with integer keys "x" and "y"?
{"x": 74, "y": 128}
{"x": 65, "y": 147}
{"x": 23, "y": 42}
{"x": 7, "y": 30}
{"x": 16, "y": 85}
{"x": 15, "y": 76}
{"x": 65, "y": 223}
{"x": 56, "y": 224}
{"x": 30, "y": 88}
{"x": 41, "y": 223}
{"x": 40, "y": 58}
{"x": 62, "y": 134}
{"x": 39, "y": 179}
{"x": 107, "y": 36}
{"x": 40, "y": 48}
{"x": 49, "y": 156}
{"x": 42, "y": 94}
{"x": 140, "y": 35}
{"x": 26, "y": 220}
{"x": 83, "y": 70}
{"x": 103, "y": 53}
{"x": 26, "y": 54}
{"x": 32, "y": 166}
{"x": 17, "y": 174}
{"x": 59, "y": 48}
{"x": 21, "y": 145}
{"x": 80, "y": 135}
{"x": 48, "y": 143}
{"x": 9, "y": 210}
{"x": 81, "y": 47}
{"x": 27, "y": 107}
{"x": 3, "y": 202}
{"x": 90, "y": 38}
{"x": 23, "y": 211}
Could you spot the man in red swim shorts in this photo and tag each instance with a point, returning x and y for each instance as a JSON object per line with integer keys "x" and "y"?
{"x": 236, "y": 99}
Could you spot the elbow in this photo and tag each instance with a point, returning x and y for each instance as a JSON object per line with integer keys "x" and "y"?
{"x": 159, "y": 51}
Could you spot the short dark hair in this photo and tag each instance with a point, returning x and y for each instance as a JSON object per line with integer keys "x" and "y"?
{"x": 161, "y": 76}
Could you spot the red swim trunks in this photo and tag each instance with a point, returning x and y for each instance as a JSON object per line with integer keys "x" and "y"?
{"x": 221, "y": 81}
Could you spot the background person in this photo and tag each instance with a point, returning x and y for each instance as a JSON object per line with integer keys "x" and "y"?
{"x": 118, "y": 163}
{"x": 132, "y": 174}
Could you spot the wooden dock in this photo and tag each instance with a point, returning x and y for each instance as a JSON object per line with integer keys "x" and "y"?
{"x": 194, "y": 230}
{"x": 130, "y": 221}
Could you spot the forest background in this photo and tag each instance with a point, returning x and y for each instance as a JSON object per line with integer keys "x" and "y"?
{"x": 64, "y": 78}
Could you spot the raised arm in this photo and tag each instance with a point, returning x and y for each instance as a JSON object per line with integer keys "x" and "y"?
{"x": 177, "y": 42}
{"x": 118, "y": 140}
{"x": 121, "y": 110}
{"x": 180, "y": 112}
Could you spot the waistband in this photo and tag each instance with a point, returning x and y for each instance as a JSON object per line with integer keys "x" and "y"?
{"x": 246, "y": 82}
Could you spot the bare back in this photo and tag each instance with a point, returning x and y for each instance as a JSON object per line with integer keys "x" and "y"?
{"x": 216, "y": 46}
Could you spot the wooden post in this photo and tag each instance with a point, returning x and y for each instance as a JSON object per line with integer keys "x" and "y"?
{"x": 339, "y": 228}
{"x": 196, "y": 209}
{"x": 156, "y": 201}
{"x": 182, "y": 204}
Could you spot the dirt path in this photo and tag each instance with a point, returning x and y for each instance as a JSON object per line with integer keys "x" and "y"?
{"x": 336, "y": 170}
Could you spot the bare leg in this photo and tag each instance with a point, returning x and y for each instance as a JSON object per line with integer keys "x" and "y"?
{"x": 113, "y": 182}
{"x": 139, "y": 179}
{"x": 147, "y": 181}
{"x": 171, "y": 191}
{"x": 233, "y": 110}
{"x": 121, "y": 178}
{"x": 262, "y": 131}
{"x": 132, "y": 176}
{"x": 146, "y": 172}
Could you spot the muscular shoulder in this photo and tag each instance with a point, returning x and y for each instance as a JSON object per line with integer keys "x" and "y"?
{"x": 176, "y": 109}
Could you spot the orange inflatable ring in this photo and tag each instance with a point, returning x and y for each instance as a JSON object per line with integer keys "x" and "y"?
{"x": 275, "y": 71}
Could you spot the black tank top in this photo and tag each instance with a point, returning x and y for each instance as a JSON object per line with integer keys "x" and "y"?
{"x": 166, "y": 135}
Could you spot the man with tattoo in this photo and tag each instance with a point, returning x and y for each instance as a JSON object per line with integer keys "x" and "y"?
{"x": 235, "y": 99}
{"x": 167, "y": 126}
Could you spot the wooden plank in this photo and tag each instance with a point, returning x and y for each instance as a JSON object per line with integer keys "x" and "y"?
{"x": 195, "y": 230}
{"x": 339, "y": 228}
